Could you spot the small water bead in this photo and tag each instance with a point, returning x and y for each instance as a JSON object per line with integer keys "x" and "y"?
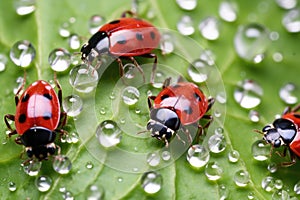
{"x": 197, "y": 156}
{"x": 233, "y": 156}
{"x": 24, "y": 7}
{"x": 43, "y": 183}
{"x": 185, "y": 25}
{"x": 217, "y": 113}
{"x": 62, "y": 164}
{"x": 277, "y": 57}
{"x": 89, "y": 165}
{"x": 272, "y": 167}
{"x": 281, "y": 195}
{"x": 166, "y": 155}
{"x": 228, "y": 11}
{"x": 297, "y": 188}
{"x": 217, "y": 143}
{"x": 167, "y": 43}
{"x": 251, "y": 195}
{"x": 129, "y": 70}
{"x": 19, "y": 83}
{"x": 223, "y": 192}
{"x": 22, "y": 53}
{"x": 151, "y": 182}
{"x": 59, "y": 59}
{"x": 251, "y": 42}
{"x": 187, "y": 4}
{"x": 241, "y": 178}
{"x": 153, "y": 159}
{"x": 159, "y": 79}
{"x": 219, "y": 130}
{"x": 108, "y": 133}
{"x": 268, "y": 184}
{"x": 209, "y": 28}
{"x": 213, "y": 171}
{"x": 248, "y": 94}
{"x": 130, "y": 95}
{"x": 260, "y": 150}
{"x": 112, "y": 96}
{"x": 151, "y": 13}
{"x": 286, "y": 4}
{"x": 12, "y": 186}
{"x": 274, "y": 36}
{"x": 3, "y": 62}
{"x": 72, "y": 105}
{"x": 278, "y": 184}
{"x": 95, "y": 22}
{"x": 208, "y": 56}
{"x": 198, "y": 70}
{"x": 221, "y": 97}
{"x": 254, "y": 116}
{"x": 94, "y": 192}
{"x": 120, "y": 179}
{"x": 74, "y": 41}
{"x": 32, "y": 168}
{"x": 83, "y": 78}
{"x": 287, "y": 93}
{"x": 68, "y": 195}
{"x": 64, "y": 30}
{"x": 102, "y": 111}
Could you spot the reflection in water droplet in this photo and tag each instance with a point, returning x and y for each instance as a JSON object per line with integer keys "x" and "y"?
{"x": 241, "y": 178}
{"x": 22, "y": 53}
{"x": 209, "y": 28}
{"x": 254, "y": 116}
{"x": 251, "y": 42}
{"x": 187, "y": 4}
{"x": 185, "y": 25}
{"x": 260, "y": 150}
{"x": 94, "y": 192}
{"x": 153, "y": 159}
{"x": 198, "y": 70}
{"x": 233, "y": 156}
{"x": 43, "y": 183}
{"x": 213, "y": 171}
{"x": 3, "y": 62}
{"x": 197, "y": 156}
{"x": 286, "y": 4}
{"x": 108, "y": 133}
{"x": 280, "y": 195}
{"x": 12, "y": 186}
{"x": 268, "y": 184}
{"x": 166, "y": 43}
{"x": 74, "y": 41}
{"x": 62, "y": 164}
{"x": 151, "y": 182}
{"x": 228, "y": 11}
{"x": 287, "y": 93}
{"x": 24, "y": 7}
{"x": 130, "y": 95}
{"x": 32, "y": 168}
{"x": 95, "y": 22}
{"x": 248, "y": 94}
{"x": 59, "y": 59}
{"x": 217, "y": 143}
{"x": 72, "y": 105}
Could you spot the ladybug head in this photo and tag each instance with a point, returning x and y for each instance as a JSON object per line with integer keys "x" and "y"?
{"x": 281, "y": 132}
{"x": 41, "y": 152}
{"x": 163, "y": 123}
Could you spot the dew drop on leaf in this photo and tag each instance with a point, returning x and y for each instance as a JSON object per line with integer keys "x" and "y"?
{"x": 24, "y": 7}
{"x": 185, "y": 25}
{"x": 260, "y": 150}
{"x": 198, "y": 156}
{"x": 22, "y": 53}
{"x": 62, "y": 164}
{"x": 43, "y": 183}
{"x": 213, "y": 171}
{"x": 241, "y": 178}
{"x": 209, "y": 28}
{"x": 59, "y": 59}
{"x": 151, "y": 182}
{"x": 108, "y": 133}
{"x": 72, "y": 105}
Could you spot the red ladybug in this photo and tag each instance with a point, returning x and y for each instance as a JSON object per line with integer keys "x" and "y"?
{"x": 180, "y": 104}
{"x": 285, "y": 132}
{"x": 37, "y": 119}
{"x": 124, "y": 38}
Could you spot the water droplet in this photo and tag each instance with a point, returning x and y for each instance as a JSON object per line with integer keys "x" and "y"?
{"x": 59, "y": 59}
{"x": 217, "y": 143}
{"x": 74, "y": 41}
{"x": 83, "y": 78}
{"x": 62, "y": 164}
{"x": 130, "y": 95}
{"x": 277, "y": 57}
{"x": 24, "y": 7}
{"x": 223, "y": 192}
{"x": 233, "y": 156}
{"x": 22, "y": 53}
{"x": 221, "y": 97}
{"x": 297, "y": 188}
{"x": 228, "y": 11}
{"x": 72, "y": 105}
{"x": 241, "y": 178}
{"x": 254, "y": 116}
{"x": 187, "y": 4}
{"x": 94, "y": 193}
{"x": 219, "y": 130}
{"x": 95, "y": 22}
{"x": 89, "y": 165}
{"x": 198, "y": 70}
{"x": 268, "y": 184}
{"x": 43, "y": 183}
{"x": 64, "y": 30}
{"x": 108, "y": 133}
{"x": 272, "y": 167}
{"x": 120, "y": 179}
{"x": 112, "y": 96}
{"x": 102, "y": 111}
{"x": 260, "y": 150}
{"x": 19, "y": 83}
{"x": 68, "y": 195}
{"x": 274, "y": 36}
{"x": 151, "y": 13}
{"x": 129, "y": 70}
{"x": 185, "y": 25}
{"x": 251, "y": 42}
{"x": 209, "y": 28}
{"x": 166, "y": 155}
{"x": 217, "y": 113}
{"x": 166, "y": 43}
{"x": 248, "y": 94}
{"x": 251, "y": 195}
{"x": 151, "y": 182}
{"x": 159, "y": 79}
{"x": 3, "y": 62}
{"x": 62, "y": 189}
{"x": 213, "y": 171}
{"x": 287, "y": 94}
{"x": 278, "y": 184}
{"x": 32, "y": 168}
{"x": 197, "y": 156}
{"x": 73, "y": 137}
{"x": 12, "y": 186}
{"x": 153, "y": 159}
{"x": 281, "y": 195}
{"x": 286, "y": 4}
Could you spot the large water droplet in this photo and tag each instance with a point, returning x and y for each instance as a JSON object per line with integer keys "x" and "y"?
{"x": 209, "y": 28}
{"x": 166, "y": 43}
{"x": 153, "y": 159}
{"x": 12, "y": 186}
{"x": 185, "y": 25}
{"x": 32, "y": 168}
{"x": 260, "y": 150}
{"x": 241, "y": 178}
{"x": 268, "y": 183}
{"x": 198, "y": 70}
{"x": 59, "y": 59}
{"x": 95, "y": 22}
{"x": 251, "y": 42}
{"x": 291, "y": 21}
{"x": 228, "y": 11}
{"x": 130, "y": 95}
{"x": 217, "y": 143}
{"x": 281, "y": 195}
{"x": 84, "y": 78}
{"x": 22, "y": 53}
{"x": 248, "y": 94}
{"x": 94, "y": 192}
{"x": 151, "y": 182}
{"x": 197, "y": 156}
{"x": 62, "y": 164}
{"x": 187, "y": 4}
{"x": 213, "y": 171}
{"x": 254, "y": 116}
{"x": 24, "y": 7}
{"x": 74, "y": 41}
{"x": 43, "y": 183}
{"x": 287, "y": 93}
{"x": 286, "y": 4}
{"x": 108, "y": 133}
{"x": 3, "y": 62}
{"x": 233, "y": 156}
{"x": 72, "y": 105}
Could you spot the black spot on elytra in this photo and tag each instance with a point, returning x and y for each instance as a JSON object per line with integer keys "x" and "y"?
{"x": 176, "y": 86}
{"x": 48, "y": 96}
{"x": 114, "y": 22}
{"x": 122, "y": 40}
{"x": 152, "y": 35}
{"x": 22, "y": 118}
{"x": 47, "y": 115}
{"x": 188, "y": 110}
{"x": 139, "y": 36}
{"x": 297, "y": 115}
{"x": 197, "y": 97}
{"x": 164, "y": 97}
{"x": 25, "y": 97}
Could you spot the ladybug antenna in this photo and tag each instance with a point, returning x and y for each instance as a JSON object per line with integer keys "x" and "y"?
{"x": 258, "y": 131}
{"x": 140, "y": 132}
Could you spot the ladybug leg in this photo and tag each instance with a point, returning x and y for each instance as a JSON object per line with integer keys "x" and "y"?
{"x": 167, "y": 82}
{"x": 187, "y": 132}
{"x": 12, "y": 118}
{"x": 154, "y": 56}
{"x": 20, "y": 89}
{"x": 18, "y": 141}
{"x": 292, "y": 162}
{"x": 297, "y": 108}
{"x": 121, "y": 67}
{"x": 129, "y": 12}
{"x": 211, "y": 102}
{"x": 287, "y": 110}
{"x": 138, "y": 67}
{"x": 149, "y": 101}
{"x": 59, "y": 89}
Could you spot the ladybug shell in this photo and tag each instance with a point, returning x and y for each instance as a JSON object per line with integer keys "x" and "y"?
{"x": 186, "y": 99}
{"x": 37, "y": 106}
{"x": 295, "y": 144}
{"x": 131, "y": 37}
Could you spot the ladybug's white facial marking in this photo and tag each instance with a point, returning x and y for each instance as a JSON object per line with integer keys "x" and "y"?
{"x": 159, "y": 130}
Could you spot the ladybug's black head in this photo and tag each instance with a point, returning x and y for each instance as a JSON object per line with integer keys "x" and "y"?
{"x": 41, "y": 152}
{"x": 281, "y": 132}
{"x": 163, "y": 123}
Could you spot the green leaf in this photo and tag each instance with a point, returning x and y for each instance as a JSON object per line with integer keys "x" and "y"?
{"x": 118, "y": 170}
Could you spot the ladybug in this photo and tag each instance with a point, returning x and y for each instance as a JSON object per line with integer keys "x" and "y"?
{"x": 126, "y": 37}
{"x": 284, "y": 131}
{"x": 37, "y": 118}
{"x": 180, "y": 104}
